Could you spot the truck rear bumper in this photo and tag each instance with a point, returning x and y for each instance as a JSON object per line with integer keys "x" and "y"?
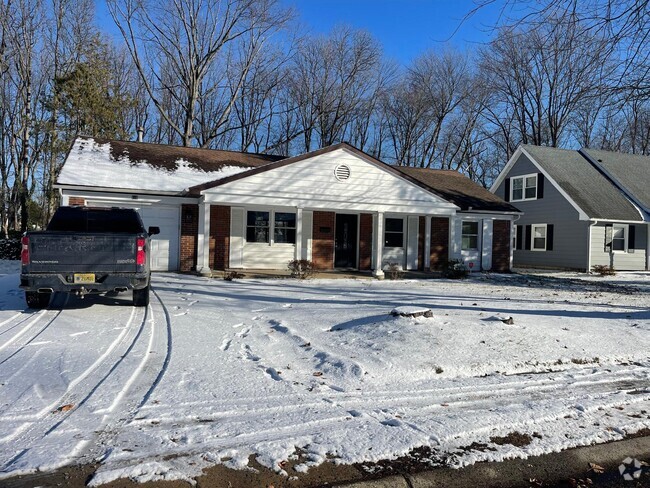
{"x": 103, "y": 282}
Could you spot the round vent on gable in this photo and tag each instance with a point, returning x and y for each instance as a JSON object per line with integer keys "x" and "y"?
{"x": 342, "y": 172}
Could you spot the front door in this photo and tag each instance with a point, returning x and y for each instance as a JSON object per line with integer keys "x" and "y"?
{"x": 345, "y": 247}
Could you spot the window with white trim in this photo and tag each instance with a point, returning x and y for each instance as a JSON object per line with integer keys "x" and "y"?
{"x": 257, "y": 226}
{"x": 538, "y": 237}
{"x": 523, "y": 188}
{"x": 469, "y": 238}
{"x": 619, "y": 238}
{"x": 284, "y": 228}
{"x": 261, "y": 225}
{"x": 394, "y": 233}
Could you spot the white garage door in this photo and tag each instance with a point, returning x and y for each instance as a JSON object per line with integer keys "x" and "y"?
{"x": 164, "y": 246}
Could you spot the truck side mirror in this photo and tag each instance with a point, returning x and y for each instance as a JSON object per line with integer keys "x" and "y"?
{"x": 154, "y": 230}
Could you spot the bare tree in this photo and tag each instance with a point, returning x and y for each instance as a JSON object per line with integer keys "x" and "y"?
{"x": 185, "y": 51}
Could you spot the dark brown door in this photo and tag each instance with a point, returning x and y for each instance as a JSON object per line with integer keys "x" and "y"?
{"x": 345, "y": 249}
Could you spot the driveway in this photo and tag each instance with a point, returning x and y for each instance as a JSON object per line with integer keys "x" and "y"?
{"x": 300, "y": 373}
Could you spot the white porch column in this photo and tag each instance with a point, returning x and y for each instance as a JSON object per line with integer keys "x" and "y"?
{"x": 378, "y": 248}
{"x": 427, "y": 242}
{"x": 203, "y": 244}
{"x": 298, "y": 253}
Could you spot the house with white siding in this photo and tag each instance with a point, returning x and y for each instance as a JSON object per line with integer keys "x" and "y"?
{"x": 580, "y": 208}
{"x": 338, "y": 207}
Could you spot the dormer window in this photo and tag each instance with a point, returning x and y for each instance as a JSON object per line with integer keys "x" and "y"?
{"x": 523, "y": 188}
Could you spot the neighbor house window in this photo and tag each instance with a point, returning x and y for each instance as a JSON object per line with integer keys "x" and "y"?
{"x": 257, "y": 227}
{"x": 539, "y": 237}
{"x": 469, "y": 241}
{"x": 394, "y": 234}
{"x": 523, "y": 188}
{"x": 284, "y": 228}
{"x": 618, "y": 238}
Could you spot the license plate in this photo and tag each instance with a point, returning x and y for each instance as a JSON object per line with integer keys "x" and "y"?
{"x": 84, "y": 278}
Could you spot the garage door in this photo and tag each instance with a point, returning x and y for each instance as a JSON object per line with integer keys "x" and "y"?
{"x": 164, "y": 246}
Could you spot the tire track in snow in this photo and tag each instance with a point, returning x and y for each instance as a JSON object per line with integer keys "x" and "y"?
{"x": 48, "y": 419}
{"x": 51, "y": 319}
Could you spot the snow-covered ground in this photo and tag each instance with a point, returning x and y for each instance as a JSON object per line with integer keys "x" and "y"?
{"x": 216, "y": 371}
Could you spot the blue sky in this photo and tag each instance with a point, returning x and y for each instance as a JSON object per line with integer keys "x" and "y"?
{"x": 404, "y": 27}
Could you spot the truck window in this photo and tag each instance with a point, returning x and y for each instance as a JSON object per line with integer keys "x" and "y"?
{"x": 122, "y": 221}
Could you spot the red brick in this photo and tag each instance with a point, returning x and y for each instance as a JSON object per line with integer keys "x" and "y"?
{"x": 501, "y": 243}
{"x": 189, "y": 236}
{"x": 76, "y": 201}
{"x": 219, "y": 237}
{"x": 439, "y": 243}
{"x": 322, "y": 249}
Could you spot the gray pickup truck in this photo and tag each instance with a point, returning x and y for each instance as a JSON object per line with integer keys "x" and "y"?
{"x": 87, "y": 250}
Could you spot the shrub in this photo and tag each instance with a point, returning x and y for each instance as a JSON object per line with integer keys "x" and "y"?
{"x": 603, "y": 270}
{"x": 301, "y": 268}
{"x": 395, "y": 271}
{"x": 232, "y": 275}
{"x": 455, "y": 269}
{"x": 10, "y": 249}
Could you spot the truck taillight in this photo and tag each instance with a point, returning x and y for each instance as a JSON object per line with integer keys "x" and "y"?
{"x": 139, "y": 254}
{"x": 24, "y": 252}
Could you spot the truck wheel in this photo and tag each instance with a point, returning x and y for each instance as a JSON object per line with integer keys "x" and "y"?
{"x": 37, "y": 300}
{"x": 141, "y": 297}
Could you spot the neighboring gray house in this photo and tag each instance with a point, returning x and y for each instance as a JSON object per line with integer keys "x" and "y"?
{"x": 581, "y": 208}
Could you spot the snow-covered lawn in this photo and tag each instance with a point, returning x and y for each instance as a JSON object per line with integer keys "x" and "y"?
{"x": 216, "y": 371}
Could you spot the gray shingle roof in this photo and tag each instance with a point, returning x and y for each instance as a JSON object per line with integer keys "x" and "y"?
{"x": 629, "y": 171}
{"x": 587, "y": 187}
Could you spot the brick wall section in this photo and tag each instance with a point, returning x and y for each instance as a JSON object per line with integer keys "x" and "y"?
{"x": 322, "y": 248}
{"x": 219, "y": 237}
{"x": 365, "y": 242}
{"x": 421, "y": 223}
{"x": 439, "y": 242}
{"x": 501, "y": 243}
{"x": 76, "y": 201}
{"x": 189, "y": 236}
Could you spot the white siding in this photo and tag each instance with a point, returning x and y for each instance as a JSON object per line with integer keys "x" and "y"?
{"x": 412, "y": 242}
{"x": 621, "y": 261}
{"x": 311, "y": 183}
{"x": 265, "y": 256}
{"x": 236, "y": 237}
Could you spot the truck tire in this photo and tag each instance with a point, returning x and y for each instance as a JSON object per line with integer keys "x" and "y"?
{"x": 37, "y": 300}
{"x": 141, "y": 297}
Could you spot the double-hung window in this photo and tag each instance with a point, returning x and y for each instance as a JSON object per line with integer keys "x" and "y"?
{"x": 260, "y": 226}
{"x": 539, "y": 237}
{"x": 618, "y": 238}
{"x": 394, "y": 233}
{"x": 523, "y": 188}
{"x": 284, "y": 225}
{"x": 469, "y": 238}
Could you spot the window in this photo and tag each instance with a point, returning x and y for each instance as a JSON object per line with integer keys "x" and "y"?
{"x": 523, "y": 188}
{"x": 618, "y": 238}
{"x": 284, "y": 228}
{"x": 539, "y": 237}
{"x": 257, "y": 227}
{"x": 394, "y": 234}
{"x": 470, "y": 236}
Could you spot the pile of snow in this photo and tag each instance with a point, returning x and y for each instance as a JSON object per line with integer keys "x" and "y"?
{"x": 90, "y": 164}
{"x": 214, "y": 372}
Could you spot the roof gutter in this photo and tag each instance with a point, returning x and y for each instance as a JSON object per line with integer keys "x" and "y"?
{"x": 103, "y": 189}
{"x": 617, "y": 221}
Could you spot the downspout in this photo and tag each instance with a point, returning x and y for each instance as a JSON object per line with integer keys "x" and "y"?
{"x": 591, "y": 225}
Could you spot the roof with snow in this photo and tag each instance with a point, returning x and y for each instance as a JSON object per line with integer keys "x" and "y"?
{"x": 127, "y": 165}
{"x": 597, "y": 196}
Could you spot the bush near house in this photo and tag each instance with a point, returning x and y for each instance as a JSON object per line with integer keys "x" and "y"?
{"x": 301, "y": 268}
{"x": 603, "y": 270}
{"x": 455, "y": 269}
